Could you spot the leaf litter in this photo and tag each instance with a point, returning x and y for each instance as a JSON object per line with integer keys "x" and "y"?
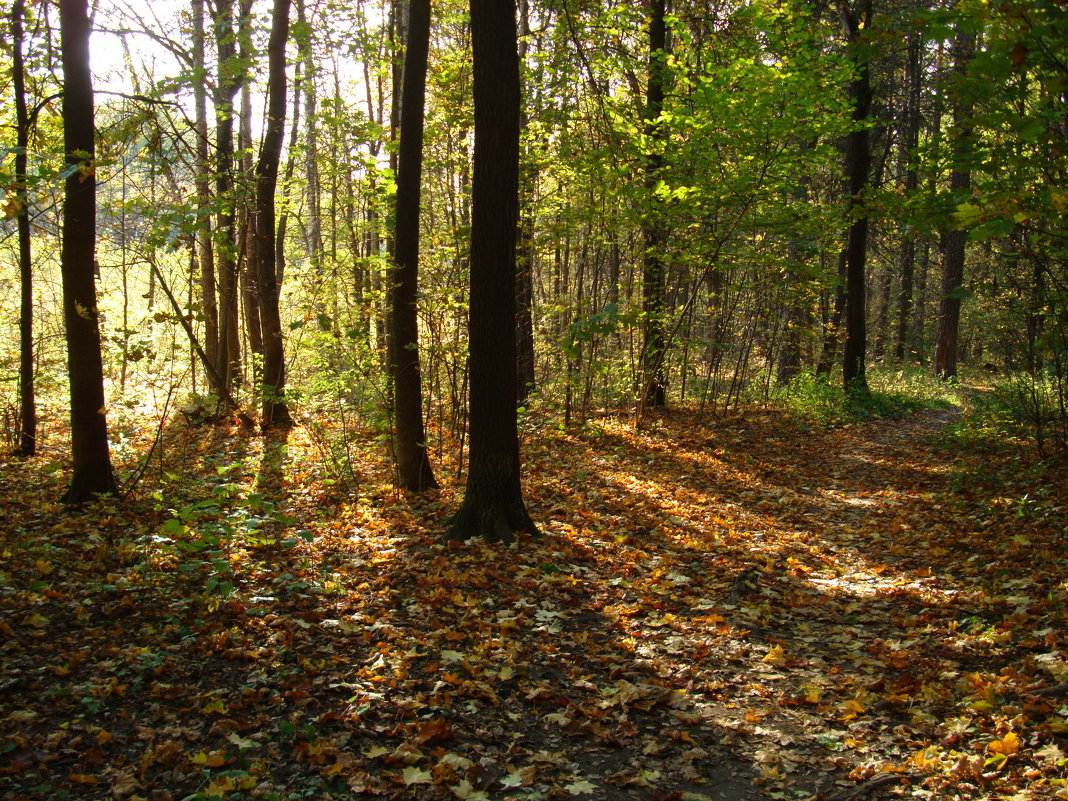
{"x": 736, "y": 610}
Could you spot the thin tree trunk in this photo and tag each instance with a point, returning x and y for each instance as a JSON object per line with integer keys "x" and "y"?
{"x": 287, "y": 181}
{"x": 274, "y": 411}
{"x": 205, "y": 251}
{"x": 413, "y": 466}
{"x": 858, "y": 163}
{"x": 314, "y": 227}
{"x": 248, "y": 281}
{"x": 525, "y": 255}
{"x": 654, "y": 354}
{"x": 27, "y": 396}
{"x": 88, "y": 420}
{"x": 904, "y": 347}
{"x": 226, "y": 240}
{"x": 945, "y": 365}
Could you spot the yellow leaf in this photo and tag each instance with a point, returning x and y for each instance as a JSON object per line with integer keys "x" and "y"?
{"x": 219, "y": 786}
{"x": 1006, "y": 746}
{"x": 12, "y": 206}
{"x": 213, "y": 760}
{"x": 776, "y": 656}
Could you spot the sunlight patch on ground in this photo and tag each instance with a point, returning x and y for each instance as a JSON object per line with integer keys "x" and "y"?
{"x": 871, "y": 585}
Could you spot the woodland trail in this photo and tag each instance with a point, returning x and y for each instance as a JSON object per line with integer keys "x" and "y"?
{"x": 739, "y": 610}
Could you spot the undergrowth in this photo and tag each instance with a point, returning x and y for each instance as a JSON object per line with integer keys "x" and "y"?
{"x": 822, "y": 401}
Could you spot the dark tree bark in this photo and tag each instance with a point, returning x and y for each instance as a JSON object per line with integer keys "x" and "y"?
{"x": 945, "y": 365}
{"x": 274, "y": 411}
{"x": 27, "y": 397}
{"x": 857, "y": 165}
{"x": 226, "y": 346}
{"x": 903, "y": 346}
{"x": 88, "y": 422}
{"x": 493, "y": 506}
{"x": 413, "y": 466}
{"x": 654, "y": 347}
{"x": 205, "y": 250}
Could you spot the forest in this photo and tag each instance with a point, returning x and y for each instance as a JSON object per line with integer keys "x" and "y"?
{"x": 534, "y": 399}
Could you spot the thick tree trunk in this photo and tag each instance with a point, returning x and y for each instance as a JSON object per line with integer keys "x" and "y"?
{"x": 413, "y": 466}
{"x": 27, "y": 397}
{"x": 857, "y": 164}
{"x": 493, "y": 506}
{"x": 945, "y": 365}
{"x": 654, "y": 348}
{"x": 274, "y": 411}
{"x": 88, "y": 421}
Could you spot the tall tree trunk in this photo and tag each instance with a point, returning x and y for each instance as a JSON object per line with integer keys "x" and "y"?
{"x": 227, "y": 356}
{"x": 904, "y": 347}
{"x": 857, "y": 165}
{"x": 248, "y": 285}
{"x": 314, "y": 227}
{"x": 273, "y": 405}
{"x": 654, "y": 348}
{"x": 493, "y": 506}
{"x": 287, "y": 181}
{"x": 204, "y": 248}
{"x": 413, "y": 466}
{"x": 798, "y": 285}
{"x": 88, "y": 420}
{"x": 945, "y": 365}
{"x": 27, "y": 396}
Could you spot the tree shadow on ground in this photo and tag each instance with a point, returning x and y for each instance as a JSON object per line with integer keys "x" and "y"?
{"x": 714, "y": 611}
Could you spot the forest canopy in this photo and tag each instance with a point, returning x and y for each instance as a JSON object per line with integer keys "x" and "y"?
{"x": 715, "y": 200}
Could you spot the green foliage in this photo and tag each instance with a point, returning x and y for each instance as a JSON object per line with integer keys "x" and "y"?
{"x": 197, "y": 534}
{"x": 1024, "y": 406}
{"x": 817, "y": 400}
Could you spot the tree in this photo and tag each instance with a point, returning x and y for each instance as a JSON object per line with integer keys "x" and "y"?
{"x": 493, "y": 506}
{"x": 654, "y": 348}
{"x": 88, "y": 421}
{"x": 953, "y": 240}
{"x": 27, "y": 398}
{"x": 413, "y": 466}
{"x": 205, "y": 250}
{"x": 904, "y": 347}
{"x": 227, "y": 84}
{"x": 274, "y": 409}
{"x": 857, "y": 24}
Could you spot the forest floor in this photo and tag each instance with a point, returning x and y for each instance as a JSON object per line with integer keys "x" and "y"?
{"x": 734, "y": 609}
